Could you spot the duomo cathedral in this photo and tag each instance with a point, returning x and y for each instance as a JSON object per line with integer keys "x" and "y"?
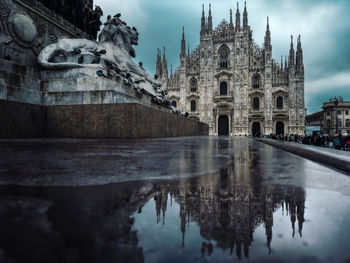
{"x": 234, "y": 85}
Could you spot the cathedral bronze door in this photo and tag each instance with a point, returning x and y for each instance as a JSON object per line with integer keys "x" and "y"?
{"x": 256, "y": 131}
{"x": 279, "y": 128}
{"x": 223, "y": 128}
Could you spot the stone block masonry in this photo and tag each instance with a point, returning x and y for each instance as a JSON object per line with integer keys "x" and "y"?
{"x": 22, "y": 120}
{"x": 130, "y": 120}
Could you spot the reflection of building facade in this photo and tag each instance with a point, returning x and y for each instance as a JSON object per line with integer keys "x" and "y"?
{"x": 327, "y": 118}
{"x": 230, "y": 205}
{"x": 235, "y": 86}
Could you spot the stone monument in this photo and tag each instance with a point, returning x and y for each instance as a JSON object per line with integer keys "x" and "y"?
{"x": 57, "y": 81}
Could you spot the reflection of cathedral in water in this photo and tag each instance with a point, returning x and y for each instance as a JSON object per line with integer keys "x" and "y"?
{"x": 230, "y": 205}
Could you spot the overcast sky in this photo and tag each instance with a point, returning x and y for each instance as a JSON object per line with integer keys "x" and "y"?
{"x": 324, "y": 26}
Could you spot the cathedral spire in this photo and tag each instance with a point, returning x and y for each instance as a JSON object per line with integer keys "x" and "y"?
{"x": 171, "y": 70}
{"x": 299, "y": 57}
{"x": 188, "y": 50}
{"x": 159, "y": 63}
{"x": 183, "y": 44}
{"x": 238, "y": 19}
{"x": 245, "y": 16}
{"x": 164, "y": 65}
{"x": 291, "y": 53}
{"x": 267, "y": 36}
{"x": 164, "y": 59}
{"x": 210, "y": 20}
{"x": 231, "y": 22}
{"x": 282, "y": 63}
{"x": 203, "y": 21}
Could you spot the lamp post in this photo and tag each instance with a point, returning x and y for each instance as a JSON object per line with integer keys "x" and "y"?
{"x": 336, "y": 101}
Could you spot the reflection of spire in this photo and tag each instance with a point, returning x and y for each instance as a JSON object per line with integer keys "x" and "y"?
{"x": 205, "y": 202}
{"x": 238, "y": 249}
{"x": 246, "y": 249}
{"x": 183, "y": 229}
{"x": 300, "y": 213}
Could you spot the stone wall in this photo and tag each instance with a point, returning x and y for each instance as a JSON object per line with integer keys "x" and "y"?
{"x": 22, "y": 120}
{"x": 118, "y": 120}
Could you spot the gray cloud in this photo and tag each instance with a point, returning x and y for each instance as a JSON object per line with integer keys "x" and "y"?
{"x": 324, "y": 26}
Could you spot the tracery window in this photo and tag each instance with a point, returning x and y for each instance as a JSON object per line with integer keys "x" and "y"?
{"x": 256, "y": 81}
{"x": 224, "y": 56}
{"x": 193, "y": 85}
{"x": 328, "y": 123}
{"x": 279, "y": 102}
{"x": 256, "y": 103}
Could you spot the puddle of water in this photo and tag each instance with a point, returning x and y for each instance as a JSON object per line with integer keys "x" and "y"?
{"x": 265, "y": 206}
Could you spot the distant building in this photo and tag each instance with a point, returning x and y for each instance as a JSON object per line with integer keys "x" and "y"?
{"x": 234, "y": 85}
{"x": 326, "y": 119}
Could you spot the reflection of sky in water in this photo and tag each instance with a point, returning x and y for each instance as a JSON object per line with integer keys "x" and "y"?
{"x": 223, "y": 184}
{"x": 324, "y": 235}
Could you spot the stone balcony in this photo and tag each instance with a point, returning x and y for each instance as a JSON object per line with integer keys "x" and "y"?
{"x": 280, "y": 110}
{"x": 256, "y": 111}
{"x": 223, "y": 98}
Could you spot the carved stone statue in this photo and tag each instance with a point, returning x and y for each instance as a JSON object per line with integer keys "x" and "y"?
{"x": 110, "y": 56}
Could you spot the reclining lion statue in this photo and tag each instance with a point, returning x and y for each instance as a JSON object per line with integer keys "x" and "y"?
{"x": 110, "y": 56}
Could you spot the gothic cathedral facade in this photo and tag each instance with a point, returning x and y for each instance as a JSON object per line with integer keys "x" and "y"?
{"x": 235, "y": 86}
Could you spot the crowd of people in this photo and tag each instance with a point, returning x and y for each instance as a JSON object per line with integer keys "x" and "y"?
{"x": 338, "y": 142}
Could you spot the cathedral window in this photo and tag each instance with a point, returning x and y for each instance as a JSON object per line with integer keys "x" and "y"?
{"x": 223, "y": 54}
{"x": 193, "y": 85}
{"x": 328, "y": 123}
{"x": 279, "y": 102}
{"x": 347, "y": 123}
{"x": 174, "y": 104}
{"x": 193, "y": 105}
{"x": 339, "y": 123}
{"x": 256, "y": 81}
{"x": 223, "y": 88}
{"x": 256, "y": 103}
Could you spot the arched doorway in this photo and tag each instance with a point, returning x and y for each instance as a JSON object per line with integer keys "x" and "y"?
{"x": 256, "y": 131}
{"x": 223, "y": 128}
{"x": 279, "y": 128}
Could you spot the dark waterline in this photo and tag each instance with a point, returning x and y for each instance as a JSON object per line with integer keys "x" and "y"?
{"x": 258, "y": 204}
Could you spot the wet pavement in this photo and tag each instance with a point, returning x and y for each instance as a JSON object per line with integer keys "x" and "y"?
{"x": 192, "y": 199}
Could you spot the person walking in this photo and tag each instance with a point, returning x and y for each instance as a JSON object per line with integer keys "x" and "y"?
{"x": 337, "y": 143}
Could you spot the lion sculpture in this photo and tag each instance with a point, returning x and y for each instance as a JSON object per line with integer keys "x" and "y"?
{"x": 110, "y": 56}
